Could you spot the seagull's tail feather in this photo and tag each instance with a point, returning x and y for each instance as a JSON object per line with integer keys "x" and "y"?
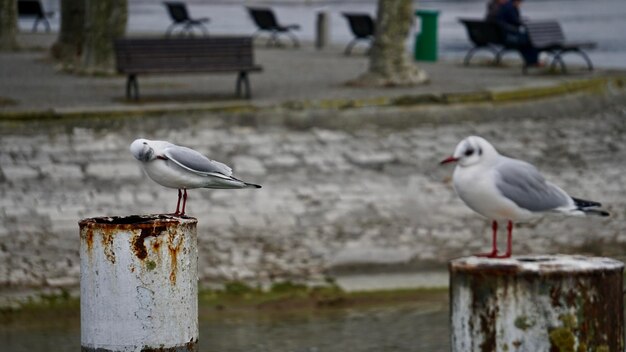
{"x": 590, "y": 207}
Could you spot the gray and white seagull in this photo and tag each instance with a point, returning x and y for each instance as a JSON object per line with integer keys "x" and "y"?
{"x": 183, "y": 168}
{"x": 506, "y": 189}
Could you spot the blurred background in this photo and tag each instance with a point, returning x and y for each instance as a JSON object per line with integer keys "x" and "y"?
{"x": 347, "y": 244}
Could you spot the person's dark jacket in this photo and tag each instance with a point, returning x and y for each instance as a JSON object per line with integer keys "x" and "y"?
{"x": 493, "y": 7}
{"x": 509, "y": 14}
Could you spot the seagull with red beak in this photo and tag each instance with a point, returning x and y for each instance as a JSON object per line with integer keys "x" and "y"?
{"x": 508, "y": 190}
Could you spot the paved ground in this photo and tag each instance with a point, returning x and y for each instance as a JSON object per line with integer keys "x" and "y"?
{"x": 32, "y": 82}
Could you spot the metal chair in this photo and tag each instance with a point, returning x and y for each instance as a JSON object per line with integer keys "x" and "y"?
{"x": 266, "y": 21}
{"x": 362, "y": 26}
{"x": 180, "y": 17}
{"x": 33, "y": 8}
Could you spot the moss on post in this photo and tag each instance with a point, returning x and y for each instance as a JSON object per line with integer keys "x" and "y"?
{"x": 536, "y": 303}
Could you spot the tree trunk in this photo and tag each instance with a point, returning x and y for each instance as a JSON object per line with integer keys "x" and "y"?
{"x": 104, "y": 22}
{"x": 69, "y": 45}
{"x": 8, "y": 25}
{"x": 390, "y": 65}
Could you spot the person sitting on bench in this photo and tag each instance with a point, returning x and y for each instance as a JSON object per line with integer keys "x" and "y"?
{"x": 510, "y": 19}
{"x": 493, "y": 6}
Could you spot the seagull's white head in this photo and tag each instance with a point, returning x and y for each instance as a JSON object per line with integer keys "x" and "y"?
{"x": 142, "y": 150}
{"x": 472, "y": 150}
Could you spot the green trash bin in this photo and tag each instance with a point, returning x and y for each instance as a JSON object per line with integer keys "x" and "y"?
{"x": 426, "y": 39}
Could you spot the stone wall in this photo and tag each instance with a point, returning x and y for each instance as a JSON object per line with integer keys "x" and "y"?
{"x": 359, "y": 191}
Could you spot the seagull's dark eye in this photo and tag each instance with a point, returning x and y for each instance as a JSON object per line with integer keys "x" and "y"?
{"x": 469, "y": 152}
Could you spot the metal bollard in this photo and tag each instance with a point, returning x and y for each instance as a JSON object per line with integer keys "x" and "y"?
{"x": 536, "y": 303}
{"x": 139, "y": 283}
{"x": 322, "y": 30}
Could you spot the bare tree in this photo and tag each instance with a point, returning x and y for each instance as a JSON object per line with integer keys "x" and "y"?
{"x": 69, "y": 45}
{"x": 8, "y": 25}
{"x": 390, "y": 64}
{"x": 104, "y": 21}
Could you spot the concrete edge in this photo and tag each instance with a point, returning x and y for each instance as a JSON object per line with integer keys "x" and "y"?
{"x": 495, "y": 95}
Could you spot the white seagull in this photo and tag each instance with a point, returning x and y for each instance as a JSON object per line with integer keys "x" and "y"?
{"x": 183, "y": 168}
{"x": 505, "y": 189}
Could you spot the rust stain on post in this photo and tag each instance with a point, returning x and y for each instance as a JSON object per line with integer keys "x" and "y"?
{"x": 152, "y": 230}
{"x": 141, "y": 270}
{"x": 107, "y": 244}
{"x": 173, "y": 246}
{"x": 543, "y": 303}
{"x": 89, "y": 240}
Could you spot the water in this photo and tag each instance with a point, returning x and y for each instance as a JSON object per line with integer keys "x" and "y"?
{"x": 600, "y": 21}
{"x": 421, "y": 325}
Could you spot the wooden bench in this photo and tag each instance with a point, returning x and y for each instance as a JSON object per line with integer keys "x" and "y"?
{"x": 547, "y": 36}
{"x": 486, "y": 35}
{"x": 185, "y": 55}
{"x": 544, "y": 36}
{"x": 33, "y": 8}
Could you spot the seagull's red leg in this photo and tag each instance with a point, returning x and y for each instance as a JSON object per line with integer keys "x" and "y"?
{"x": 509, "y": 241}
{"x": 178, "y": 203}
{"x": 184, "y": 201}
{"x": 494, "y": 242}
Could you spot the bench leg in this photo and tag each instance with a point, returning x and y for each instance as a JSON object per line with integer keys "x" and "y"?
{"x": 558, "y": 59}
{"x": 499, "y": 54}
{"x": 468, "y": 56}
{"x": 584, "y": 55}
{"x": 169, "y": 29}
{"x": 350, "y": 46}
{"x": 132, "y": 85}
{"x": 205, "y": 31}
{"x": 187, "y": 30}
{"x": 294, "y": 39}
{"x": 242, "y": 80}
{"x": 273, "y": 40}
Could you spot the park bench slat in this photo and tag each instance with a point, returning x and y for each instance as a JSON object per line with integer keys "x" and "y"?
{"x": 544, "y": 36}
{"x": 185, "y": 55}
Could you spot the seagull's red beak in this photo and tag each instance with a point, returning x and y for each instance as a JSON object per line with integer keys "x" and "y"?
{"x": 449, "y": 159}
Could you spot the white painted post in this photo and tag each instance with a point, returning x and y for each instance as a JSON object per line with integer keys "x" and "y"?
{"x": 322, "y": 30}
{"x": 139, "y": 283}
{"x": 536, "y": 303}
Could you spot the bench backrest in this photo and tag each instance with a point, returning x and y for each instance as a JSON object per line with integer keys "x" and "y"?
{"x": 482, "y": 32}
{"x": 29, "y": 8}
{"x": 177, "y": 10}
{"x": 361, "y": 24}
{"x": 263, "y": 17}
{"x": 212, "y": 54}
{"x": 545, "y": 33}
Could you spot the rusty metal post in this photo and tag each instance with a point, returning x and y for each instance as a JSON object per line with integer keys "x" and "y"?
{"x": 536, "y": 303}
{"x": 139, "y": 283}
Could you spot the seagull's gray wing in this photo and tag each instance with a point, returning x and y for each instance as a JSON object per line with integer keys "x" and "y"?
{"x": 193, "y": 161}
{"x": 522, "y": 183}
